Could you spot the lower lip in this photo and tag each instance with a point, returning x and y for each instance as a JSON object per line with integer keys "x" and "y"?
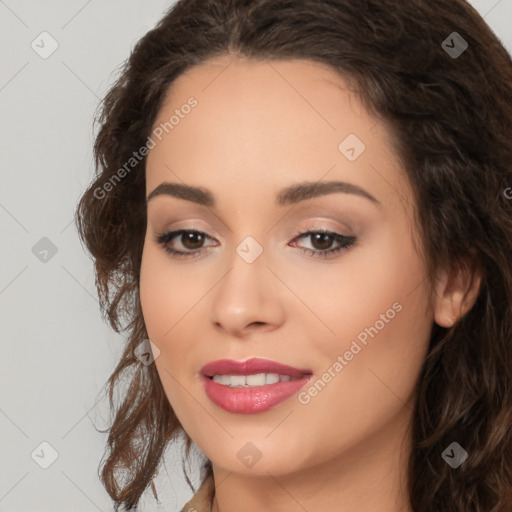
{"x": 252, "y": 400}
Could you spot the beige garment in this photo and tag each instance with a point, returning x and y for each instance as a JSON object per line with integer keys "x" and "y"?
{"x": 203, "y": 499}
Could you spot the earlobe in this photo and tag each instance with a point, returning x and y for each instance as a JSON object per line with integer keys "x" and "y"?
{"x": 455, "y": 293}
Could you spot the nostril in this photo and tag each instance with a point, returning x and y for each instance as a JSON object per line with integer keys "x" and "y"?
{"x": 258, "y": 326}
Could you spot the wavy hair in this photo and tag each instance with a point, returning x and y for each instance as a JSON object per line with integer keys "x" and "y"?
{"x": 451, "y": 119}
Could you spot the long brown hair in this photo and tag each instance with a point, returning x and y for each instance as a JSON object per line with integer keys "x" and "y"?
{"x": 449, "y": 108}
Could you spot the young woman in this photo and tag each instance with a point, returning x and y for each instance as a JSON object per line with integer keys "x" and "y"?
{"x": 302, "y": 220}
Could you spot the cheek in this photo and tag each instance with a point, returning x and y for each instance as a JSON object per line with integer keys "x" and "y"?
{"x": 381, "y": 313}
{"x": 165, "y": 301}
{"x": 166, "y": 293}
{"x": 350, "y": 296}
{"x": 155, "y": 297}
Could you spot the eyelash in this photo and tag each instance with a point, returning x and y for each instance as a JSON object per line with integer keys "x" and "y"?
{"x": 345, "y": 242}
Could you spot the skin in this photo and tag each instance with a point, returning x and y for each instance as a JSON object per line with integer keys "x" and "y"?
{"x": 259, "y": 127}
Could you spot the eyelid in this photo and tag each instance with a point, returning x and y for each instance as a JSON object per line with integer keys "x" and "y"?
{"x": 323, "y": 225}
{"x": 310, "y": 225}
{"x": 187, "y": 226}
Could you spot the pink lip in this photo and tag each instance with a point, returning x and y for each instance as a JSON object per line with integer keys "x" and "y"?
{"x": 255, "y": 399}
{"x": 250, "y": 367}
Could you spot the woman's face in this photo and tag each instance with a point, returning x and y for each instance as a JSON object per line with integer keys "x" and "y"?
{"x": 358, "y": 319}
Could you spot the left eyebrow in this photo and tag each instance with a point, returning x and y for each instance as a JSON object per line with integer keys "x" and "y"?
{"x": 290, "y": 195}
{"x": 309, "y": 190}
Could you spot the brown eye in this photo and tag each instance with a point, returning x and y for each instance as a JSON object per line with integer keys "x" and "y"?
{"x": 192, "y": 239}
{"x": 322, "y": 241}
{"x": 192, "y": 243}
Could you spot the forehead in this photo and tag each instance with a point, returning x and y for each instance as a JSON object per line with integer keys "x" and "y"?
{"x": 266, "y": 124}
{"x": 293, "y": 98}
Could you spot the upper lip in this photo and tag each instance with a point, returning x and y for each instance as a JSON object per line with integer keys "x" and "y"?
{"x": 250, "y": 367}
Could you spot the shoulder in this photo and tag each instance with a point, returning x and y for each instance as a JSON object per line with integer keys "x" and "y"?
{"x": 202, "y": 499}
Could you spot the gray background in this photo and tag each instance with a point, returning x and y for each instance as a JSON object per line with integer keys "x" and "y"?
{"x": 56, "y": 351}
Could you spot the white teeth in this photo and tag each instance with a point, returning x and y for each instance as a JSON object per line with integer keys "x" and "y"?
{"x": 258, "y": 379}
{"x": 222, "y": 379}
{"x": 255, "y": 380}
{"x": 271, "y": 378}
{"x": 237, "y": 380}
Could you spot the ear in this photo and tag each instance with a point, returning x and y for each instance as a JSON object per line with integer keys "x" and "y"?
{"x": 456, "y": 290}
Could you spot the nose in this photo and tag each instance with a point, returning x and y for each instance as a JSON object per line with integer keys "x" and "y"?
{"x": 248, "y": 299}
